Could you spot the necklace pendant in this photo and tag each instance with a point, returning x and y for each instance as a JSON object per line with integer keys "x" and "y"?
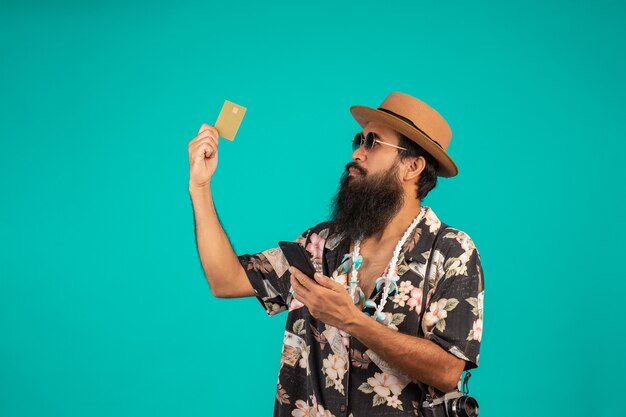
{"x": 358, "y": 295}
{"x": 393, "y": 288}
{"x": 358, "y": 261}
{"x": 380, "y": 281}
{"x": 382, "y": 317}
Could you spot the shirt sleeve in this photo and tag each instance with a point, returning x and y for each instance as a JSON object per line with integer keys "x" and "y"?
{"x": 268, "y": 275}
{"x": 454, "y": 315}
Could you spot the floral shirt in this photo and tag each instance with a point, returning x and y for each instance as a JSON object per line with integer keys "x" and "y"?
{"x": 325, "y": 374}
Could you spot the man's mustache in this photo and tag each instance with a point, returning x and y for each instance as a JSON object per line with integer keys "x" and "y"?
{"x": 356, "y": 166}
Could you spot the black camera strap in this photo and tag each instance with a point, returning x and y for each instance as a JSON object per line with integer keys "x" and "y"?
{"x": 426, "y": 285}
{"x": 425, "y": 289}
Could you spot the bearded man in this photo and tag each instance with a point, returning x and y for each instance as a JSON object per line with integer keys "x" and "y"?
{"x": 394, "y": 313}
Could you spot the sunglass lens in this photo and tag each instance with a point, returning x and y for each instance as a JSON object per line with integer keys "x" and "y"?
{"x": 356, "y": 142}
{"x": 369, "y": 141}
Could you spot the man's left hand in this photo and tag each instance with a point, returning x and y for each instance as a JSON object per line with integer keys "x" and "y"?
{"x": 326, "y": 299}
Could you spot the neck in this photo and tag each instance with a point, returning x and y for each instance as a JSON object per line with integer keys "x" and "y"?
{"x": 397, "y": 226}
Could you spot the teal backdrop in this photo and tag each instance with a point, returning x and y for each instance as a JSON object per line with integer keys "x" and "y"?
{"x": 104, "y": 307}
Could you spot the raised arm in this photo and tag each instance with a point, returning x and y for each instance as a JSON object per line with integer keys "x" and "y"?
{"x": 223, "y": 271}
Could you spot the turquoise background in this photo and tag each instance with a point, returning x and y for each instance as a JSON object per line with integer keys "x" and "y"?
{"x": 104, "y": 308}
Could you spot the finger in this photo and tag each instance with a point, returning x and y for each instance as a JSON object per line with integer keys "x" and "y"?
{"x": 300, "y": 298}
{"x": 324, "y": 280}
{"x": 297, "y": 286}
{"x": 204, "y": 135}
{"x": 210, "y": 151}
{"x": 194, "y": 146}
{"x": 203, "y": 127}
{"x": 208, "y": 139}
{"x": 205, "y": 150}
{"x": 204, "y": 132}
{"x": 301, "y": 295}
{"x": 302, "y": 278}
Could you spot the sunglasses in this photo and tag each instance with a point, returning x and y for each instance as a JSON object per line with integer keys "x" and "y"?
{"x": 369, "y": 141}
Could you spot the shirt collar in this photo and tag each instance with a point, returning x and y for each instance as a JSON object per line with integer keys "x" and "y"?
{"x": 336, "y": 246}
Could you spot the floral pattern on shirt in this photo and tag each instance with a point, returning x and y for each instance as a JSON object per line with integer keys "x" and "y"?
{"x": 323, "y": 373}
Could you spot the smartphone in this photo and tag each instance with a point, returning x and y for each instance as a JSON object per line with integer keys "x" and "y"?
{"x": 298, "y": 257}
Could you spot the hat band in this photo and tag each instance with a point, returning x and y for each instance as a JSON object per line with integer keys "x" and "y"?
{"x": 404, "y": 119}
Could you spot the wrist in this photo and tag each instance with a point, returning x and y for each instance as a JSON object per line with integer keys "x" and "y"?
{"x": 358, "y": 322}
{"x": 200, "y": 190}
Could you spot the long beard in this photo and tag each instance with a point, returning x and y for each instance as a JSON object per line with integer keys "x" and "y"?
{"x": 365, "y": 204}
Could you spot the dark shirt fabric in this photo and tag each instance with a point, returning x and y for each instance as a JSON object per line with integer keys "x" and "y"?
{"x": 325, "y": 374}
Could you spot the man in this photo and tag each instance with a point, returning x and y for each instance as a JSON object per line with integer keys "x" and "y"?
{"x": 361, "y": 338}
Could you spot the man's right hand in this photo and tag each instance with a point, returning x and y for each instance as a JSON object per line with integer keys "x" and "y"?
{"x": 203, "y": 156}
{"x": 222, "y": 268}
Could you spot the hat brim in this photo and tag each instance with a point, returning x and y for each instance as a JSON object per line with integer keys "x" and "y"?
{"x": 364, "y": 114}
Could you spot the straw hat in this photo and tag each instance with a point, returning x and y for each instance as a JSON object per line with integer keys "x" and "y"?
{"x": 417, "y": 121}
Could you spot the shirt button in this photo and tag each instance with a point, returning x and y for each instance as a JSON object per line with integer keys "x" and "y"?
{"x": 342, "y": 408}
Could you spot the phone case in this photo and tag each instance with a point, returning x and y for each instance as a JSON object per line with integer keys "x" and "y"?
{"x": 298, "y": 257}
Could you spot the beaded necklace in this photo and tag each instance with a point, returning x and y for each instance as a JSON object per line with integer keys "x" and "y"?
{"x": 389, "y": 280}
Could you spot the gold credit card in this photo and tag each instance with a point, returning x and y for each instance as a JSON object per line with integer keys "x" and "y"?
{"x": 229, "y": 119}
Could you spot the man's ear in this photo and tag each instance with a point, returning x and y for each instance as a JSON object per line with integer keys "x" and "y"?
{"x": 413, "y": 167}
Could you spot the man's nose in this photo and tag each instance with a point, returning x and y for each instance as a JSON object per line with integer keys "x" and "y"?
{"x": 359, "y": 154}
